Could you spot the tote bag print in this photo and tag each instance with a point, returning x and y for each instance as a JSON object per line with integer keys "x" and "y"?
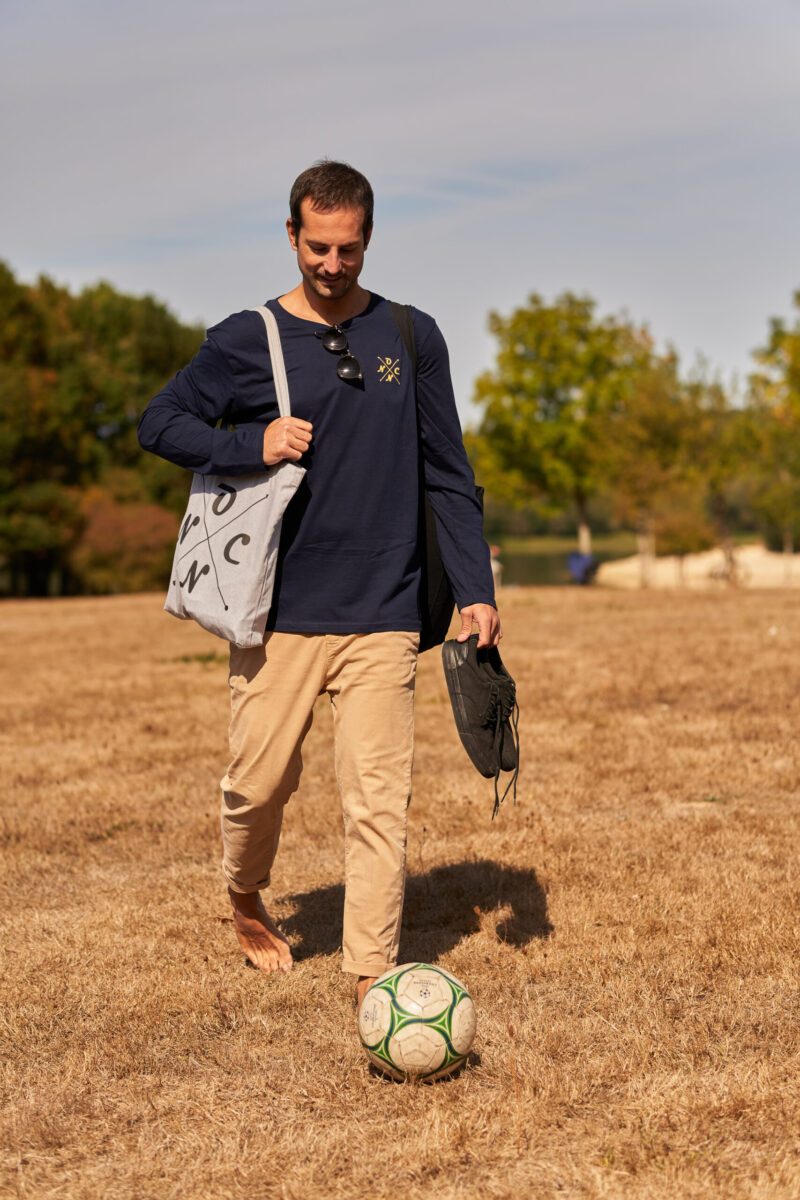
{"x": 223, "y": 572}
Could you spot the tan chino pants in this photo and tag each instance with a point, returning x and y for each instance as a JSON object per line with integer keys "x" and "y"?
{"x": 370, "y": 680}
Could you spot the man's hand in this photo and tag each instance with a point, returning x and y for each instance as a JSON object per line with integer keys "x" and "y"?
{"x": 288, "y": 437}
{"x": 486, "y": 618}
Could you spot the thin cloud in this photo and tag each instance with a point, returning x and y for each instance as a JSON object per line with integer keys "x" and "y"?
{"x": 643, "y": 152}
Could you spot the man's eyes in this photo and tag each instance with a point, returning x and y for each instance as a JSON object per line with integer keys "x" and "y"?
{"x": 324, "y": 249}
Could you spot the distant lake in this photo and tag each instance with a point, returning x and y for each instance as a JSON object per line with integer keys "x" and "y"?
{"x": 542, "y": 562}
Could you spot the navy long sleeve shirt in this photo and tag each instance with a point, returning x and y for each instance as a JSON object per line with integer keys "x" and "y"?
{"x": 348, "y": 559}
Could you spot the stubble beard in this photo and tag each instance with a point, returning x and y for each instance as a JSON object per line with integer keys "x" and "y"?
{"x": 331, "y": 291}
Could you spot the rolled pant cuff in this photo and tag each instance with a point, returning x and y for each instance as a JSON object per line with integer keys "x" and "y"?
{"x": 369, "y": 969}
{"x": 245, "y": 889}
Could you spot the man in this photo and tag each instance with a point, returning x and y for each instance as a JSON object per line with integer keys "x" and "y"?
{"x": 345, "y": 611}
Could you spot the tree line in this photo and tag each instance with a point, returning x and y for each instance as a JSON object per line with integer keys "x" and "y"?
{"x": 81, "y": 508}
{"x": 581, "y": 419}
{"x": 582, "y": 414}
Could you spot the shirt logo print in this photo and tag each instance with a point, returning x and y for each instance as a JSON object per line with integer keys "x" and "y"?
{"x": 389, "y": 369}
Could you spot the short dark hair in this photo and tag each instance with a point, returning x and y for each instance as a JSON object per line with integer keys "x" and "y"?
{"x": 329, "y": 185}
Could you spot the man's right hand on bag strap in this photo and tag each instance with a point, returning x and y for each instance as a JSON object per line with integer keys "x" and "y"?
{"x": 288, "y": 437}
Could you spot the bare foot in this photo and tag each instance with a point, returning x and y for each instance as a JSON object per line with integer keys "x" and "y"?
{"x": 365, "y": 982}
{"x": 259, "y": 936}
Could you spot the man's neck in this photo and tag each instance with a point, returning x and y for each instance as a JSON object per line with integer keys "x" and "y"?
{"x": 305, "y": 303}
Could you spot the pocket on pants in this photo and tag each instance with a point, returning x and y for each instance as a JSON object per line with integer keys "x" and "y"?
{"x": 244, "y": 665}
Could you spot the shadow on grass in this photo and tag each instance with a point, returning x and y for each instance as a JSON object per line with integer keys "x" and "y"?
{"x": 443, "y": 906}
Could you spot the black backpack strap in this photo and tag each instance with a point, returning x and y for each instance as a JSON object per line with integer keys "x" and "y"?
{"x": 436, "y": 597}
{"x": 402, "y": 319}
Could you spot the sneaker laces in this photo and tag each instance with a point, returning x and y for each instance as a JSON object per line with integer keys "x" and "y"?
{"x": 502, "y": 710}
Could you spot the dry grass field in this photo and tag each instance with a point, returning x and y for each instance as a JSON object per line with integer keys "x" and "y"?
{"x": 629, "y": 931}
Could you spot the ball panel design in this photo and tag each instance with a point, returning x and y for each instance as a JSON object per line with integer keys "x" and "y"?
{"x": 375, "y": 1016}
{"x": 423, "y": 992}
{"x": 462, "y": 1025}
{"x": 417, "y": 1048}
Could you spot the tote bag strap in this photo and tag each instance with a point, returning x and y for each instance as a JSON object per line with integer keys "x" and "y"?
{"x": 276, "y": 357}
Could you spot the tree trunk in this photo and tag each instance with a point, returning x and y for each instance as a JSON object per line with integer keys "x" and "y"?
{"x": 584, "y": 538}
{"x": 584, "y": 532}
{"x": 646, "y": 544}
{"x": 788, "y": 555}
{"x": 681, "y": 560}
{"x": 38, "y": 570}
{"x": 731, "y": 565}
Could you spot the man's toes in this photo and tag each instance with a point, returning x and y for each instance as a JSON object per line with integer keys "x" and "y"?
{"x": 265, "y": 959}
{"x": 258, "y": 956}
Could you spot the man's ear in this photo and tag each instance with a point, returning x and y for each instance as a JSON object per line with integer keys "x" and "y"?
{"x": 290, "y": 229}
{"x": 367, "y": 236}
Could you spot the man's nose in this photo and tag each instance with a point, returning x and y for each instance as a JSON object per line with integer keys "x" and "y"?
{"x": 332, "y": 264}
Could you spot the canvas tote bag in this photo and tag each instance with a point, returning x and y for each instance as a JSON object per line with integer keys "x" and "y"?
{"x": 223, "y": 572}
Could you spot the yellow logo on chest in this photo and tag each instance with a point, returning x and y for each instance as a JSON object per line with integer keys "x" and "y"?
{"x": 389, "y": 369}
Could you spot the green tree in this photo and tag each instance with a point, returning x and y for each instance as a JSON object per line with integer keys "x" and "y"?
{"x": 75, "y": 373}
{"x": 647, "y": 442}
{"x": 722, "y": 450}
{"x": 560, "y": 370}
{"x": 46, "y": 452}
{"x": 774, "y": 410}
{"x": 682, "y": 525}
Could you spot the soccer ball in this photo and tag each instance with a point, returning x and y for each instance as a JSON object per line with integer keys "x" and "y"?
{"x": 417, "y": 1020}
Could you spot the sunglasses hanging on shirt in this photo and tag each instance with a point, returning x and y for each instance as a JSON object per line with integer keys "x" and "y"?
{"x": 334, "y": 340}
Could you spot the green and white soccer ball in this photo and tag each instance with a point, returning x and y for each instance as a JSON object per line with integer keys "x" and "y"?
{"x": 417, "y": 1020}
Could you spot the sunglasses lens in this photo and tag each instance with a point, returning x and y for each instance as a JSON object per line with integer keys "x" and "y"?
{"x": 335, "y": 341}
{"x": 349, "y": 368}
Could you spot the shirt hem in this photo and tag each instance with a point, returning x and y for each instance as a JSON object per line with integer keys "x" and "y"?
{"x": 399, "y": 626}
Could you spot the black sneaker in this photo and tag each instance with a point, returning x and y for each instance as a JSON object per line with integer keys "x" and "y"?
{"x": 483, "y": 696}
{"x": 489, "y": 658}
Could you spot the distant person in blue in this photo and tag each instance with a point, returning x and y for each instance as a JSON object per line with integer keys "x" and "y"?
{"x": 345, "y": 617}
{"x": 582, "y": 567}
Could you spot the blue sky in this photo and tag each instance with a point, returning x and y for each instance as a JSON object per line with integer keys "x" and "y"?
{"x": 645, "y": 152}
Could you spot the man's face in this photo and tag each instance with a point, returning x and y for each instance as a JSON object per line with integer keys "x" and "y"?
{"x": 330, "y": 249}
